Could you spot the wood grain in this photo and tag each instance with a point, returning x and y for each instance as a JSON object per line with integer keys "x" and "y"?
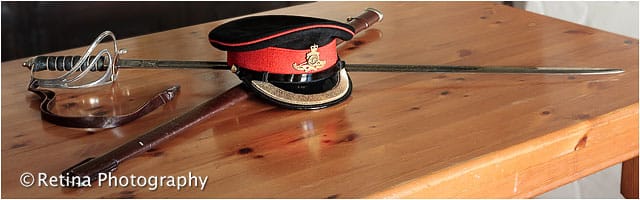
{"x": 399, "y": 135}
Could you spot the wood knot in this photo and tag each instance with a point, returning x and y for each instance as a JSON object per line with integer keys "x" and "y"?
{"x": 581, "y": 143}
{"x": 18, "y": 145}
{"x": 245, "y": 150}
{"x": 464, "y": 52}
{"x": 440, "y": 77}
{"x": 348, "y": 138}
{"x": 358, "y": 42}
{"x": 127, "y": 194}
{"x": 582, "y": 116}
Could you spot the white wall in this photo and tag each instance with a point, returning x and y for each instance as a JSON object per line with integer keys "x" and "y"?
{"x": 612, "y": 16}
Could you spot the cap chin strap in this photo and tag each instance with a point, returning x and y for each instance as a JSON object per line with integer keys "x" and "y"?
{"x": 338, "y": 92}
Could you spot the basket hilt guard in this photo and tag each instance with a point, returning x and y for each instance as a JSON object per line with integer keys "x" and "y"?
{"x": 77, "y": 67}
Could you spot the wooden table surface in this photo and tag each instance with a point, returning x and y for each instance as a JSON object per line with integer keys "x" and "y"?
{"x": 399, "y": 134}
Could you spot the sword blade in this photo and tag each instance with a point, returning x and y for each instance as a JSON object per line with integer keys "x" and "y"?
{"x": 170, "y": 64}
{"x": 479, "y": 69}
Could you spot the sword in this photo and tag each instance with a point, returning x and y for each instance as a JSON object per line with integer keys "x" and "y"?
{"x": 51, "y": 63}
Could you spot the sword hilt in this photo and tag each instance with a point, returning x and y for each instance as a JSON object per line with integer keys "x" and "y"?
{"x": 76, "y": 68}
{"x": 63, "y": 63}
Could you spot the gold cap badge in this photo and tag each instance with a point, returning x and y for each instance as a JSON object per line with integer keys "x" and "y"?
{"x": 313, "y": 62}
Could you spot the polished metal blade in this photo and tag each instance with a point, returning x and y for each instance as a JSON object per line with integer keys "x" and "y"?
{"x": 171, "y": 64}
{"x": 168, "y": 64}
{"x": 479, "y": 69}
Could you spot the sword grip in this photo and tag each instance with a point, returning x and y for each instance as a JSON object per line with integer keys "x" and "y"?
{"x": 63, "y": 63}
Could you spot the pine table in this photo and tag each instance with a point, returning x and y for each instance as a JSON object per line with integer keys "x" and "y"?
{"x": 400, "y": 135}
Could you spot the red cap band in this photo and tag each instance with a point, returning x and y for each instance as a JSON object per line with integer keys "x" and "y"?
{"x": 286, "y": 61}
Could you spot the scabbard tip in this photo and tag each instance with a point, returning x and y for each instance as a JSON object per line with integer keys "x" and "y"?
{"x": 377, "y": 12}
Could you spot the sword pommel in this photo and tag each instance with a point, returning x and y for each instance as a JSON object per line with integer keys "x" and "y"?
{"x": 28, "y": 63}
